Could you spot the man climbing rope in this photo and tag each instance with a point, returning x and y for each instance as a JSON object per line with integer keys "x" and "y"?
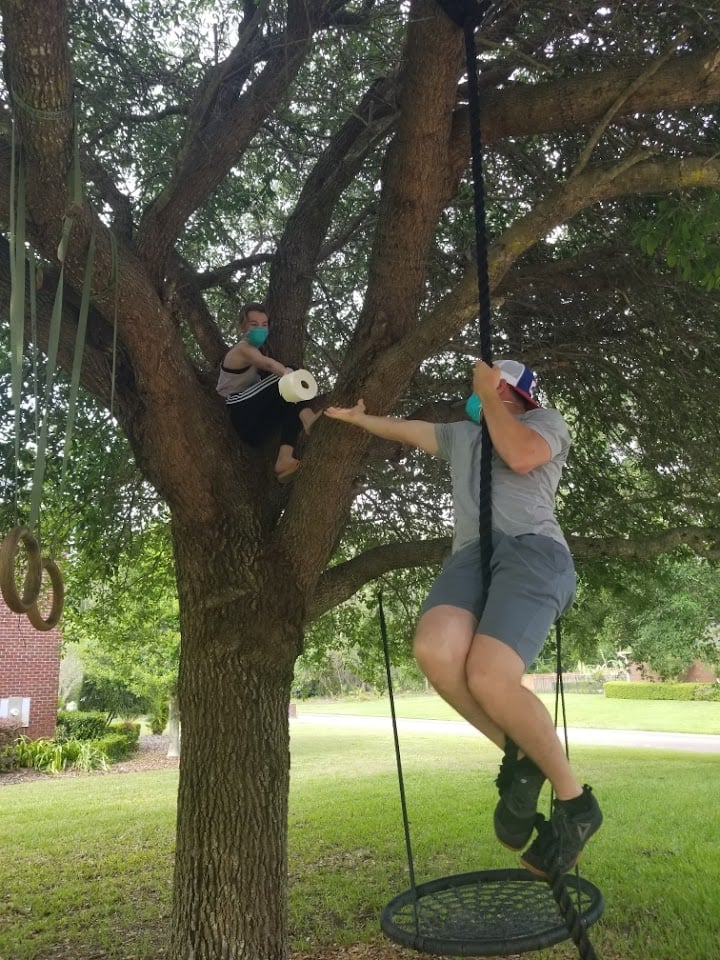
{"x": 475, "y": 655}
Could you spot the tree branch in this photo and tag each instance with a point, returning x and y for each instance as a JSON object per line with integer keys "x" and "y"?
{"x": 592, "y": 186}
{"x": 223, "y": 119}
{"x": 225, "y": 274}
{"x": 295, "y": 260}
{"x": 705, "y": 542}
{"x": 340, "y": 582}
{"x": 413, "y": 188}
{"x": 617, "y": 105}
{"x": 183, "y": 291}
{"x": 525, "y": 110}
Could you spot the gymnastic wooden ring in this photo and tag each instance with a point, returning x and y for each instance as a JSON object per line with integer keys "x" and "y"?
{"x": 58, "y": 591}
{"x": 33, "y": 574}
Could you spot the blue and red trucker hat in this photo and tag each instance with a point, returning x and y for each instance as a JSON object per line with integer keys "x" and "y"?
{"x": 521, "y": 379}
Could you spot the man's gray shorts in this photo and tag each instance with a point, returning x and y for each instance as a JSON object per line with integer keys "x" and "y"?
{"x": 532, "y": 584}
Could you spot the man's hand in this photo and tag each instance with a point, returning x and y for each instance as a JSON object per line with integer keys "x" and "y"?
{"x": 347, "y": 414}
{"x": 486, "y": 380}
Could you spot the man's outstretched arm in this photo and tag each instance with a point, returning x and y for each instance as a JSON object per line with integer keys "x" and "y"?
{"x": 415, "y": 433}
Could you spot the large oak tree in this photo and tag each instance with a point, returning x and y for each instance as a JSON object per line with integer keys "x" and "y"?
{"x": 322, "y": 145}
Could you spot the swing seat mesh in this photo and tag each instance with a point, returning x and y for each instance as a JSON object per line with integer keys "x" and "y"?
{"x": 486, "y": 913}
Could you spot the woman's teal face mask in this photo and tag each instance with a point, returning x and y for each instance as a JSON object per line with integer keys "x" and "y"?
{"x": 473, "y": 406}
{"x": 257, "y": 336}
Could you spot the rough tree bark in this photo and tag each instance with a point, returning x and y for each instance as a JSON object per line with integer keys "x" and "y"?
{"x": 241, "y": 634}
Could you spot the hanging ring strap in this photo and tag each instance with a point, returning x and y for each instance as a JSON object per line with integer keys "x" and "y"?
{"x": 16, "y": 238}
{"x": 33, "y": 574}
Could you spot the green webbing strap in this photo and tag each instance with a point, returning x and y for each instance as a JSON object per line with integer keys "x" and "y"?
{"x": 76, "y": 196}
{"x": 17, "y": 295}
{"x": 78, "y": 355}
{"x": 32, "y": 287}
{"x": 76, "y": 184}
{"x": 116, "y": 309}
{"x": 53, "y": 341}
{"x": 49, "y": 115}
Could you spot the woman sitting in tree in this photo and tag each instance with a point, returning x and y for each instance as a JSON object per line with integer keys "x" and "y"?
{"x": 249, "y": 382}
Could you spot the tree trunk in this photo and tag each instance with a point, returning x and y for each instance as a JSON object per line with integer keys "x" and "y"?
{"x": 239, "y": 644}
{"x": 173, "y": 728}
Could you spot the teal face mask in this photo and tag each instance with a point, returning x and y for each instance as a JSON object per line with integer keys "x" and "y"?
{"x": 473, "y": 406}
{"x": 257, "y": 336}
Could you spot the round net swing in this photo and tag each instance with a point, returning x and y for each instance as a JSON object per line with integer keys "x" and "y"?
{"x": 486, "y": 913}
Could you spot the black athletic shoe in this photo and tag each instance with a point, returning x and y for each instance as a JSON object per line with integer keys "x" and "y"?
{"x": 561, "y": 839}
{"x": 519, "y": 784}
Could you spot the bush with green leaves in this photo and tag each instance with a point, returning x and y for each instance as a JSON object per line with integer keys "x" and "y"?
{"x": 158, "y": 718}
{"x": 75, "y": 753}
{"x": 80, "y": 725}
{"x": 9, "y": 734}
{"x": 113, "y": 695}
{"x": 53, "y": 756}
{"x": 115, "y": 746}
{"x": 120, "y": 740}
{"x": 650, "y": 690}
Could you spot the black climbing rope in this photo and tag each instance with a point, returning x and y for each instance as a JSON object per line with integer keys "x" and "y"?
{"x": 472, "y": 14}
{"x": 481, "y": 914}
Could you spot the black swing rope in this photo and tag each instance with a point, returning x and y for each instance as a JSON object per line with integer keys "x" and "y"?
{"x": 487, "y": 912}
{"x": 468, "y": 14}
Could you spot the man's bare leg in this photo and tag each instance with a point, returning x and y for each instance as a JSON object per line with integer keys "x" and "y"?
{"x": 443, "y": 640}
{"x": 494, "y": 672}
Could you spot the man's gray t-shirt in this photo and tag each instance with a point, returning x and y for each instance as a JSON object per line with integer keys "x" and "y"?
{"x": 521, "y": 503}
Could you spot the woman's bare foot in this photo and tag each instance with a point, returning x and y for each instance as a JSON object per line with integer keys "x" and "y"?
{"x": 286, "y": 464}
{"x": 308, "y": 418}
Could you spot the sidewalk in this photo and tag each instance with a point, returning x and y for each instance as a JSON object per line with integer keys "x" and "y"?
{"x": 645, "y": 739}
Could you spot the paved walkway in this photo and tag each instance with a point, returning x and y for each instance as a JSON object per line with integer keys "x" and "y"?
{"x": 692, "y": 742}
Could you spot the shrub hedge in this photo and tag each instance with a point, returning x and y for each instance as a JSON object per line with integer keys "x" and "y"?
{"x": 81, "y": 725}
{"x": 119, "y": 741}
{"x": 651, "y": 690}
{"x": 9, "y": 734}
{"x": 115, "y": 746}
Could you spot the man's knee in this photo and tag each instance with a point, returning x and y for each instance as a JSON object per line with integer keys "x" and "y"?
{"x": 485, "y": 687}
{"x": 430, "y": 655}
{"x": 442, "y": 640}
{"x": 494, "y": 671}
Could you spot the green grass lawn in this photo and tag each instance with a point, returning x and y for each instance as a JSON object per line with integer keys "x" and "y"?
{"x": 583, "y": 710}
{"x": 91, "y": 856}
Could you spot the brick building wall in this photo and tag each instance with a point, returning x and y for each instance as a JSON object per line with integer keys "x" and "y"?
{"x": 29, "y": 671}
